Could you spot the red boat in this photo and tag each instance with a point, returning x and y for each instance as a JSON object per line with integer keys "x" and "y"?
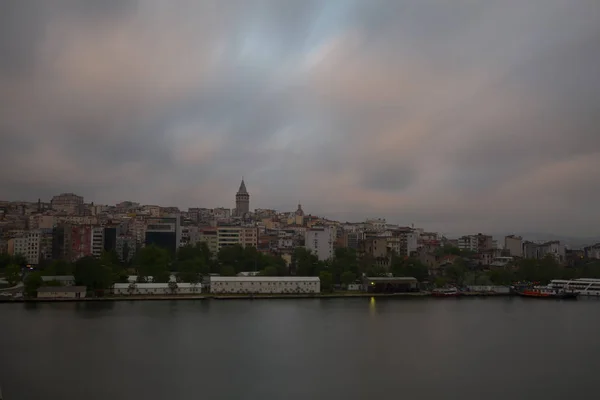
{"x": 547, "y": 293}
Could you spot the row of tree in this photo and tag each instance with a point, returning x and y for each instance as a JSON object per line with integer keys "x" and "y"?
{"x": 192, "y": 262}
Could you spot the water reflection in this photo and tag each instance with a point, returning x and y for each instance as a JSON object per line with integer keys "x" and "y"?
{"x": 372, "y": 306}
{"x": 94, "y": 309}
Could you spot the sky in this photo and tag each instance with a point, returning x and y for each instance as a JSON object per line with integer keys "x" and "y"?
{"x": 462, "y": 116}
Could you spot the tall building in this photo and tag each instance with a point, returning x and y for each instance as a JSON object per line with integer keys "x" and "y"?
{"x": 27, "y": 245}
{"x": 81, "y": 241}
{"x": 97, "y": 241}
{"x": 232, "y": 235}
{"x": 319, "y": 241}
{"x": 164, "y": 232}
{"x": 242, "y": 200}
{"x": 514, "y": 245}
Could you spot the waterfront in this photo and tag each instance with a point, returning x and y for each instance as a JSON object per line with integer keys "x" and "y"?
{"x": 297, "y": 349}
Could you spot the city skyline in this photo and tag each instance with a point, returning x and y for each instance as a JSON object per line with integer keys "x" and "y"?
{"x": 459, "y": 118}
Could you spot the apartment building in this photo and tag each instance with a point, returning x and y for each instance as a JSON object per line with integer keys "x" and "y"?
{"x": 403, "y": 241}
{"x": 232, "y": 235}
{"x": 97, "y": 241}
{"x": 319, "y": 240}
{"x": 27, "y": 245}
{"x": 514, "y": 245}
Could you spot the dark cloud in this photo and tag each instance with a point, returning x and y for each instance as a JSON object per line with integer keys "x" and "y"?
{"x": 473, "y": 116}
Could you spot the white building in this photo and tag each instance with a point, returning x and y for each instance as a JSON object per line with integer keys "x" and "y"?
{"x": 468, "y": 243}
{"x": 97, "y": 241}
{"x": 319, "y": 240}
{"x": 61, "y": 292}
{"x": 27, "y": 245}
{"x": 171, "y": 288}
{"x": 265, "y": 284}
{"x": 514, "y": 245}
{"x": 593, "y": 251}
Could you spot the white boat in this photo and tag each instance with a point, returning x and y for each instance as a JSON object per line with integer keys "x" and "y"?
{"x": 583, "y": 286}
{"x": 445, "y": 292}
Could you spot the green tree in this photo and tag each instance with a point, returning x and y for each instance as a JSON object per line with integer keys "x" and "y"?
{"x": 153, "y": 261}
{"x": 110, "y": 260}
{"x": 345, "y": 260}
{"x": 448, "y": 250}
{"x": 33, "y": 281}
{"x": 269, "y": 271}
{"x": 93, "y": 274}
{"x": 191, "y": 270}
{"x": 366, "y": 265}
{"x": 13, "y": 274}
{"x": 348, "y": 277}
{"x": 412, "y": 267}
{"x": 326, "y": 281}
{"x": 456, "y": 272}
{"x": 5, "y": 261}
{"x": 20, "y": 260}
{"x": 501, "y": 276}
{"x": 440, "y": 281}
{"x": 306, "y": 263}
{"x": 227, "y": 270}
{"x": 58, "y": 267}
{"x": 232, "y": 256}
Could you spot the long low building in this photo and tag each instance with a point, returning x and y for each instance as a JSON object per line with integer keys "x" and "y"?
{"x": 390, "y": 284}
{"x": 265, "y": 284}
{"x": 61, "y": 292}
{"x": 130, "y": 289}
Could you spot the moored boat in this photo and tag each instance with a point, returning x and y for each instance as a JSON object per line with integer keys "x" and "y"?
{"x": 547, "y": 293}
{"x": 445, "y": 292}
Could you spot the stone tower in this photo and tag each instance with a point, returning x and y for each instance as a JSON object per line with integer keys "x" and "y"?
{"x": 242, "y": 200}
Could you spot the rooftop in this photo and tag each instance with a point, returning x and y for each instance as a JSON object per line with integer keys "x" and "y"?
{"x": 58, "y": 278}
{"x": 264, "y": 279}
{"x": 70, "y": 289}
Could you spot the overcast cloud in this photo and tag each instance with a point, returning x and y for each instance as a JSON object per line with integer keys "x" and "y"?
{"x": 462, "y": 116}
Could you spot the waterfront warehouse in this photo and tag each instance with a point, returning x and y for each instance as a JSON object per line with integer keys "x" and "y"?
{"x": 265, "y": 285}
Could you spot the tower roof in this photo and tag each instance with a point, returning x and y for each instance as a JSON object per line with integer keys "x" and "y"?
{"x": 242, "y": 189}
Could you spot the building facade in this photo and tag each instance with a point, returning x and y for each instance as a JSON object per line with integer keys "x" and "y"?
{"x": 80, "y": 239}
{"x": 319, "y": 241}
{"x": 97, "y": 241}
{"x": 27, "y": 245}
{"x": 61, "y": 292}
{"x": 171, "y": 288}
{"x": 467, "y": 243}
{"x": 163, "y": 232}
{"x": 232, "y": 235}
{"x": 264, "y": 284}
{"x": 514, "y": 245}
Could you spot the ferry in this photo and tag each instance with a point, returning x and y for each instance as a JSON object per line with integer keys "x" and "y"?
{"x": 582, "y": 286}
{"x": 445, "y": 292}
{"x": 545, "y": 292}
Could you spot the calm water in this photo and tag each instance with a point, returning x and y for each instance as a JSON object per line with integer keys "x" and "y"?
{"x": 301, "y": 349}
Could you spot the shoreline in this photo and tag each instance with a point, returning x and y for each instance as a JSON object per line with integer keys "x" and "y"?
{"x": 208, "y": 296}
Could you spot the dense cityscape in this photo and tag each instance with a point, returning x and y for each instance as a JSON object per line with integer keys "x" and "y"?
{"x": 129, "y": 248}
